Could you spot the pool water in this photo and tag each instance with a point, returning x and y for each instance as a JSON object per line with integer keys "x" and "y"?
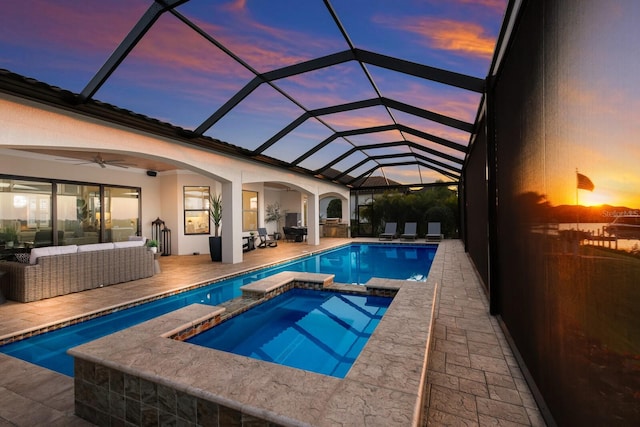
{"x": 355, "y": 263}
{"x": 317, "y": 331}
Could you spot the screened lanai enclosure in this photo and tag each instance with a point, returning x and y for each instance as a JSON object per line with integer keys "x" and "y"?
{"x": 526, "y": 110}
{"x": 325, "y": 94}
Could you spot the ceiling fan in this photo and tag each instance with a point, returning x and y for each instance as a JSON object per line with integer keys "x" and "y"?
{"x": 99, "y": 160}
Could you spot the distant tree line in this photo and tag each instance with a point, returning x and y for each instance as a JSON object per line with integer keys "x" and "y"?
{"x": 431, "y": 204}
{"x": 534, "y": 208}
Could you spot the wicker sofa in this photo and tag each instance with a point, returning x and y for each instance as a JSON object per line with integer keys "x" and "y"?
{"x": 61, "y": 270}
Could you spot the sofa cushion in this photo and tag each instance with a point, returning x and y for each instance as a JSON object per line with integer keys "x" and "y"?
{"x": 128, "y": 244}
{"x": 95, "y": 247}
{"x": 51, "y": 250}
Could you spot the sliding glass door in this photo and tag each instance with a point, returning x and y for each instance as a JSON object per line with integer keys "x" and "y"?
{"x": 25, "y": 213}
{"x": 78, "y": 214}
{"x": 35, "y": 213}
{"x": 121, "y": 212}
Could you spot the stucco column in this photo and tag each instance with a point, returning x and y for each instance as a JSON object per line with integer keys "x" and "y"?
{"x": 232, "y": 222}
{"x": 313, "y": 212}
{"x": 346, "y": 213}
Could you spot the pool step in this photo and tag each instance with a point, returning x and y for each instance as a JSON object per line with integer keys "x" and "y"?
{"x": 281, "y": 282}
{"x": 345, "y": 287}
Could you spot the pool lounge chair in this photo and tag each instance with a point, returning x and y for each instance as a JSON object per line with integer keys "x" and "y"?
{"x": 265, "y": 239}
{"x": 433, "y": 232}
{"x": 410, "y": 231}
{"x": 389, "y": 231}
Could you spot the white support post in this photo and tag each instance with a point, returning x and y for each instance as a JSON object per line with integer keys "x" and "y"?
{"x": 313, "y": 212}
{"x": 346, "y": 211}
{"x": 231, "y": 224}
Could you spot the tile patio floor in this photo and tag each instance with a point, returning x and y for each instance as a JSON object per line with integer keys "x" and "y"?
{"x": 473, "y": 378}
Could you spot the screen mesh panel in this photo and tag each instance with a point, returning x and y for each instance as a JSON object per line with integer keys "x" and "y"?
{"x": 568, "y": 296}
{"x": 476, "y": 205}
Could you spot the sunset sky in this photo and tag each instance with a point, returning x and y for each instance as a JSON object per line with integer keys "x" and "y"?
{"x": 176, "y": 75}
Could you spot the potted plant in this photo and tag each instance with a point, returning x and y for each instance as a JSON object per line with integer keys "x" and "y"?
{"x": 152, "y": 245}
{"x": 215, "y": 241}
{"x": 10, "y": 236}
{"x": 274, "y": 214}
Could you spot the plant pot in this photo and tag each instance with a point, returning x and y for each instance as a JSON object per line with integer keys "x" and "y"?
{"x": 153, "y": 249}
{"x": 215, "y": 248}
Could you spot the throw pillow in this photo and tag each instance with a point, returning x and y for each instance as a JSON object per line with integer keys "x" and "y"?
{"x": 23, "y": 257}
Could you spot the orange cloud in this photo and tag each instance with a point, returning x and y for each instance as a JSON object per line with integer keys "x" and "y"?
{"x": 366, "y": 117}
{"x": 465, "y": 38}
{"x": 459, "y": 37}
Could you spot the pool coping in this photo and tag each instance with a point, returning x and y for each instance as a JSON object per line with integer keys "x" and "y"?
{"x": 73, "y": 320}
{"x": 385, "y": 385}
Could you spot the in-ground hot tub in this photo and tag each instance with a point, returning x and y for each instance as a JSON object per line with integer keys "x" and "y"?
{"x": 167, "y": 380}
{"x": 317, "y": 331}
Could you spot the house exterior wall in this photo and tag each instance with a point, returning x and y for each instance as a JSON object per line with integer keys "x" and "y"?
{"x": 27, "y": 124}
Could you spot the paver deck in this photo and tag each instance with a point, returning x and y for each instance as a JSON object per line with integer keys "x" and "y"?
{"x": 473, "y": 377}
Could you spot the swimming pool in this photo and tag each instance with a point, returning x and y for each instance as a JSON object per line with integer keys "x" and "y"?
{"x": 316, "y": 331}
{"x": 355, "y": 263}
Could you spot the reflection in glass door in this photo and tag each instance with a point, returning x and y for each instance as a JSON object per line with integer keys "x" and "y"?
{"x": 365, "y": 228}
{"x": 78, "y": 214}
{"x": 121, "y": 211}
{"x": 25, "y": 215}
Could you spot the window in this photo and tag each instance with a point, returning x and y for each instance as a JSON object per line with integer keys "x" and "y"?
{"x": 25, "y": 213}
{"x": 196, "y": 210}
{"x": 249, "y": 210}
{"x": 50, "y": 212}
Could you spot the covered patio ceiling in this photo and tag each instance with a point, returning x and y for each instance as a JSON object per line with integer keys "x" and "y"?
{"x": 340, "y": 90}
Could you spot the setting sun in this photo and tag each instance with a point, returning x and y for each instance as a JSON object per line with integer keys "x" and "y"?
{"x": 609, "y": 189}
{"x": 586, "y": 198}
